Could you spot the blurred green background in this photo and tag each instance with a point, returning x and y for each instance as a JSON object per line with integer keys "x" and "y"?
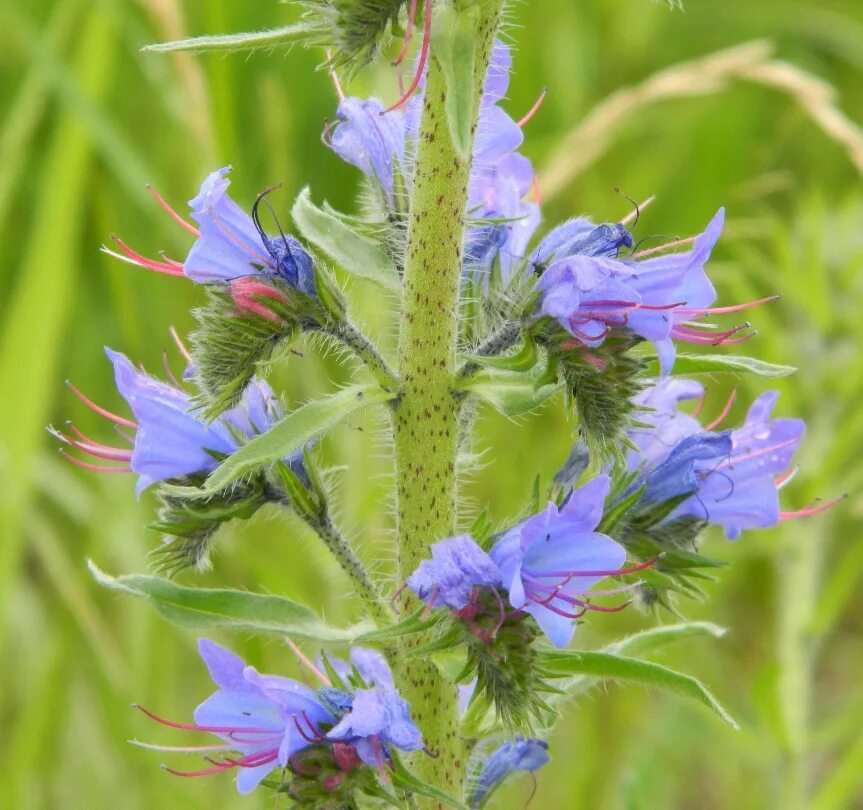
{"x": 87, "y": 120}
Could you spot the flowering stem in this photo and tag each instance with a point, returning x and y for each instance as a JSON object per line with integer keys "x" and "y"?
{"x": 426, "y": 413}
{"x": 366, "y": 351}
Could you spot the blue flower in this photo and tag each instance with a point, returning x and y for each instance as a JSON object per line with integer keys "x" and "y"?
{"x": 732, "y": 475}
{"x": 376, "y": 717}
{"x": 171, "y": 439}
{"x": 233, "y": 244}
{"x": 449, "y": 577}
{"x": 517, "y": 754}
{"x": 378, "y": 144}
{"x": 265, "y": 718}
{"x": 591, "y": 292}
{"x": 550, "y": 561}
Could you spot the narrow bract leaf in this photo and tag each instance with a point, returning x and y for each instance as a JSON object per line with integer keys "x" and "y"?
{"x": 403, "y": 779}
{"x": 326, "y": 230}
{"x": 656, "y": 637}
{"x": 227, "y": 43}
{"x": 208, "y": 608}
{"x": 607, "y": 666}
{"x": 295, "y": 430}
{"x": 511, "y": 394}
{"x": 453, "y": 46}
{"x": 722, "y": 364}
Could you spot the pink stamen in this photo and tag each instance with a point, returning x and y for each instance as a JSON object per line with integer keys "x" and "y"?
{"x": 424, "y": 52}
{"x": 143, "y": 261}
{"x": 633, "y": 214}
{"x": 301, "y": 657}
{"x": 303, "y": 733}
{"x": 409, "y": 32}
{"x": 816, "y": 509}
{"x": 736, "y": 308}
{"x": 101, "y": 411}
{"x": 730, "y": 462}
{"x": 690, "y": 335}
{"x": 205, "y": 772}
{"x": 533, "y": 110}
{"x": 172, "y": 213}
{"x": 96, "y": 449}
{"x": 537, "y": 191}
{"x": 658, "y": 307}
{"x": 729, "y": 404}
{"x": 696, "y": 412}
{"x": 99, "y": 468}
{"x": 196, "y": 727}
{"x": 660, "y": 248}
{"x": 168, "y": 260}
{"x": 786, "y": 477}
{"x": 258, "y": 257}
{"x": 180, "y": 345}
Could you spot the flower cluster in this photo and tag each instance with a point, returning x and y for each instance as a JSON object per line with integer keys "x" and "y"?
{"x": 383, "y": 147}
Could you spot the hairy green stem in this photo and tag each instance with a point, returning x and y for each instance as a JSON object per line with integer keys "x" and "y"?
{"x": 366, "y": 351}
{"x": 341, "y": 549}
{"x": 426, "y": 413}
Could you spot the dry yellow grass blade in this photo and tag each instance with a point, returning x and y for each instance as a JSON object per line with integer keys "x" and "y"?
{"x": 712, "y": 74}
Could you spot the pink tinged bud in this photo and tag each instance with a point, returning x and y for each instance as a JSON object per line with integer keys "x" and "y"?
{"x": 334, "y": 782}
{"x": 247, "y": 293}
{"x": 346, "y": 756}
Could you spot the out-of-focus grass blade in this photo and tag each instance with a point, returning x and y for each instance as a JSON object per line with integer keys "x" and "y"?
{"x": 126, "y": 163}
{"x": 29, "y": 106}
{"x": 29, "y": 354}
{"x": 844, "y": 784}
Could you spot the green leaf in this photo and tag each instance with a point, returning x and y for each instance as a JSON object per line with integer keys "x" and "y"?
{"x": 511, "y": 394}
{"x": 208, "y": 608}
{"x": 657, "y": 637}
{"x": 453, "y": 46}
{"x": 565, "y": 663}
{"x": 295, "y": 430}
{"x": 325, "y": 229}
{"x": 722, "y": 364}
{"x": 403, "y": 779}
{"x": 227, "y": 43}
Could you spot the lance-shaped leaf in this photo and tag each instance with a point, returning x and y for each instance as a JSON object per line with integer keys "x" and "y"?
{"x": 722, "y": 364}
{"x": 226, "y": 43}
{"x": 293, "y": 432}
{"x": 512, "y": 395}
{"x": 607, "y": 666}
{"x": 330, "y": 232}
{"x": 222, "y": 608}
{"x": 453, "y": 45}
{"x": 403, "y": 779}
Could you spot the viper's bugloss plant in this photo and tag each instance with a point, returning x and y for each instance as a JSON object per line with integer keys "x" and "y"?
{"x": 455, "y": 679}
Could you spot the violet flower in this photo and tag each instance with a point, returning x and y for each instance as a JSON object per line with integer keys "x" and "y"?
{"x": 230, "y": 244}
{"x": 517, "y": 754}
{"x": 591, "y": 292}
{"x": 379, "y": 145}
{"x": 169, "y": 438}
{"x": 551, "y": 560}
{"x": 456, "y": 567}
{"x": 734, "y": 476}
{"x": 266, "y": 718}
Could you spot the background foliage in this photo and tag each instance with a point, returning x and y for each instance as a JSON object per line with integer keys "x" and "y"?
{"x": 87, "y": 121}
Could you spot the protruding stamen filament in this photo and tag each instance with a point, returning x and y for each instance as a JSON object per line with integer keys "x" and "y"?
{"x": 169, "y": 373}
{"x": 133, "y": 257}
{"x": 94, "y": 449}
{"x": 786, "y": 477}
{"x": 181, "y": 347}
{"x": 762, "y": 451}
{"x": 729, "y": 404}
{"x": 696, "y": 412}
{"x": 735, "y": 308}
{"x": 534, "y": 109}
{"x": 409, "y": 33}
{"x": 815, "y": 509}
{"x": 172, "y": 213}
{"x": 101, "y": 411}
{"x": 660, "y": 248}
{"x": 608, "y": 573}
{"x": 196, "y": 727}
{"x": 303, "y": 659}
{"x": 421, "y": 65}
{"x": 335, "y": 77}
{"x": 633, "y": 214}
{"x": 99, "y": 468}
